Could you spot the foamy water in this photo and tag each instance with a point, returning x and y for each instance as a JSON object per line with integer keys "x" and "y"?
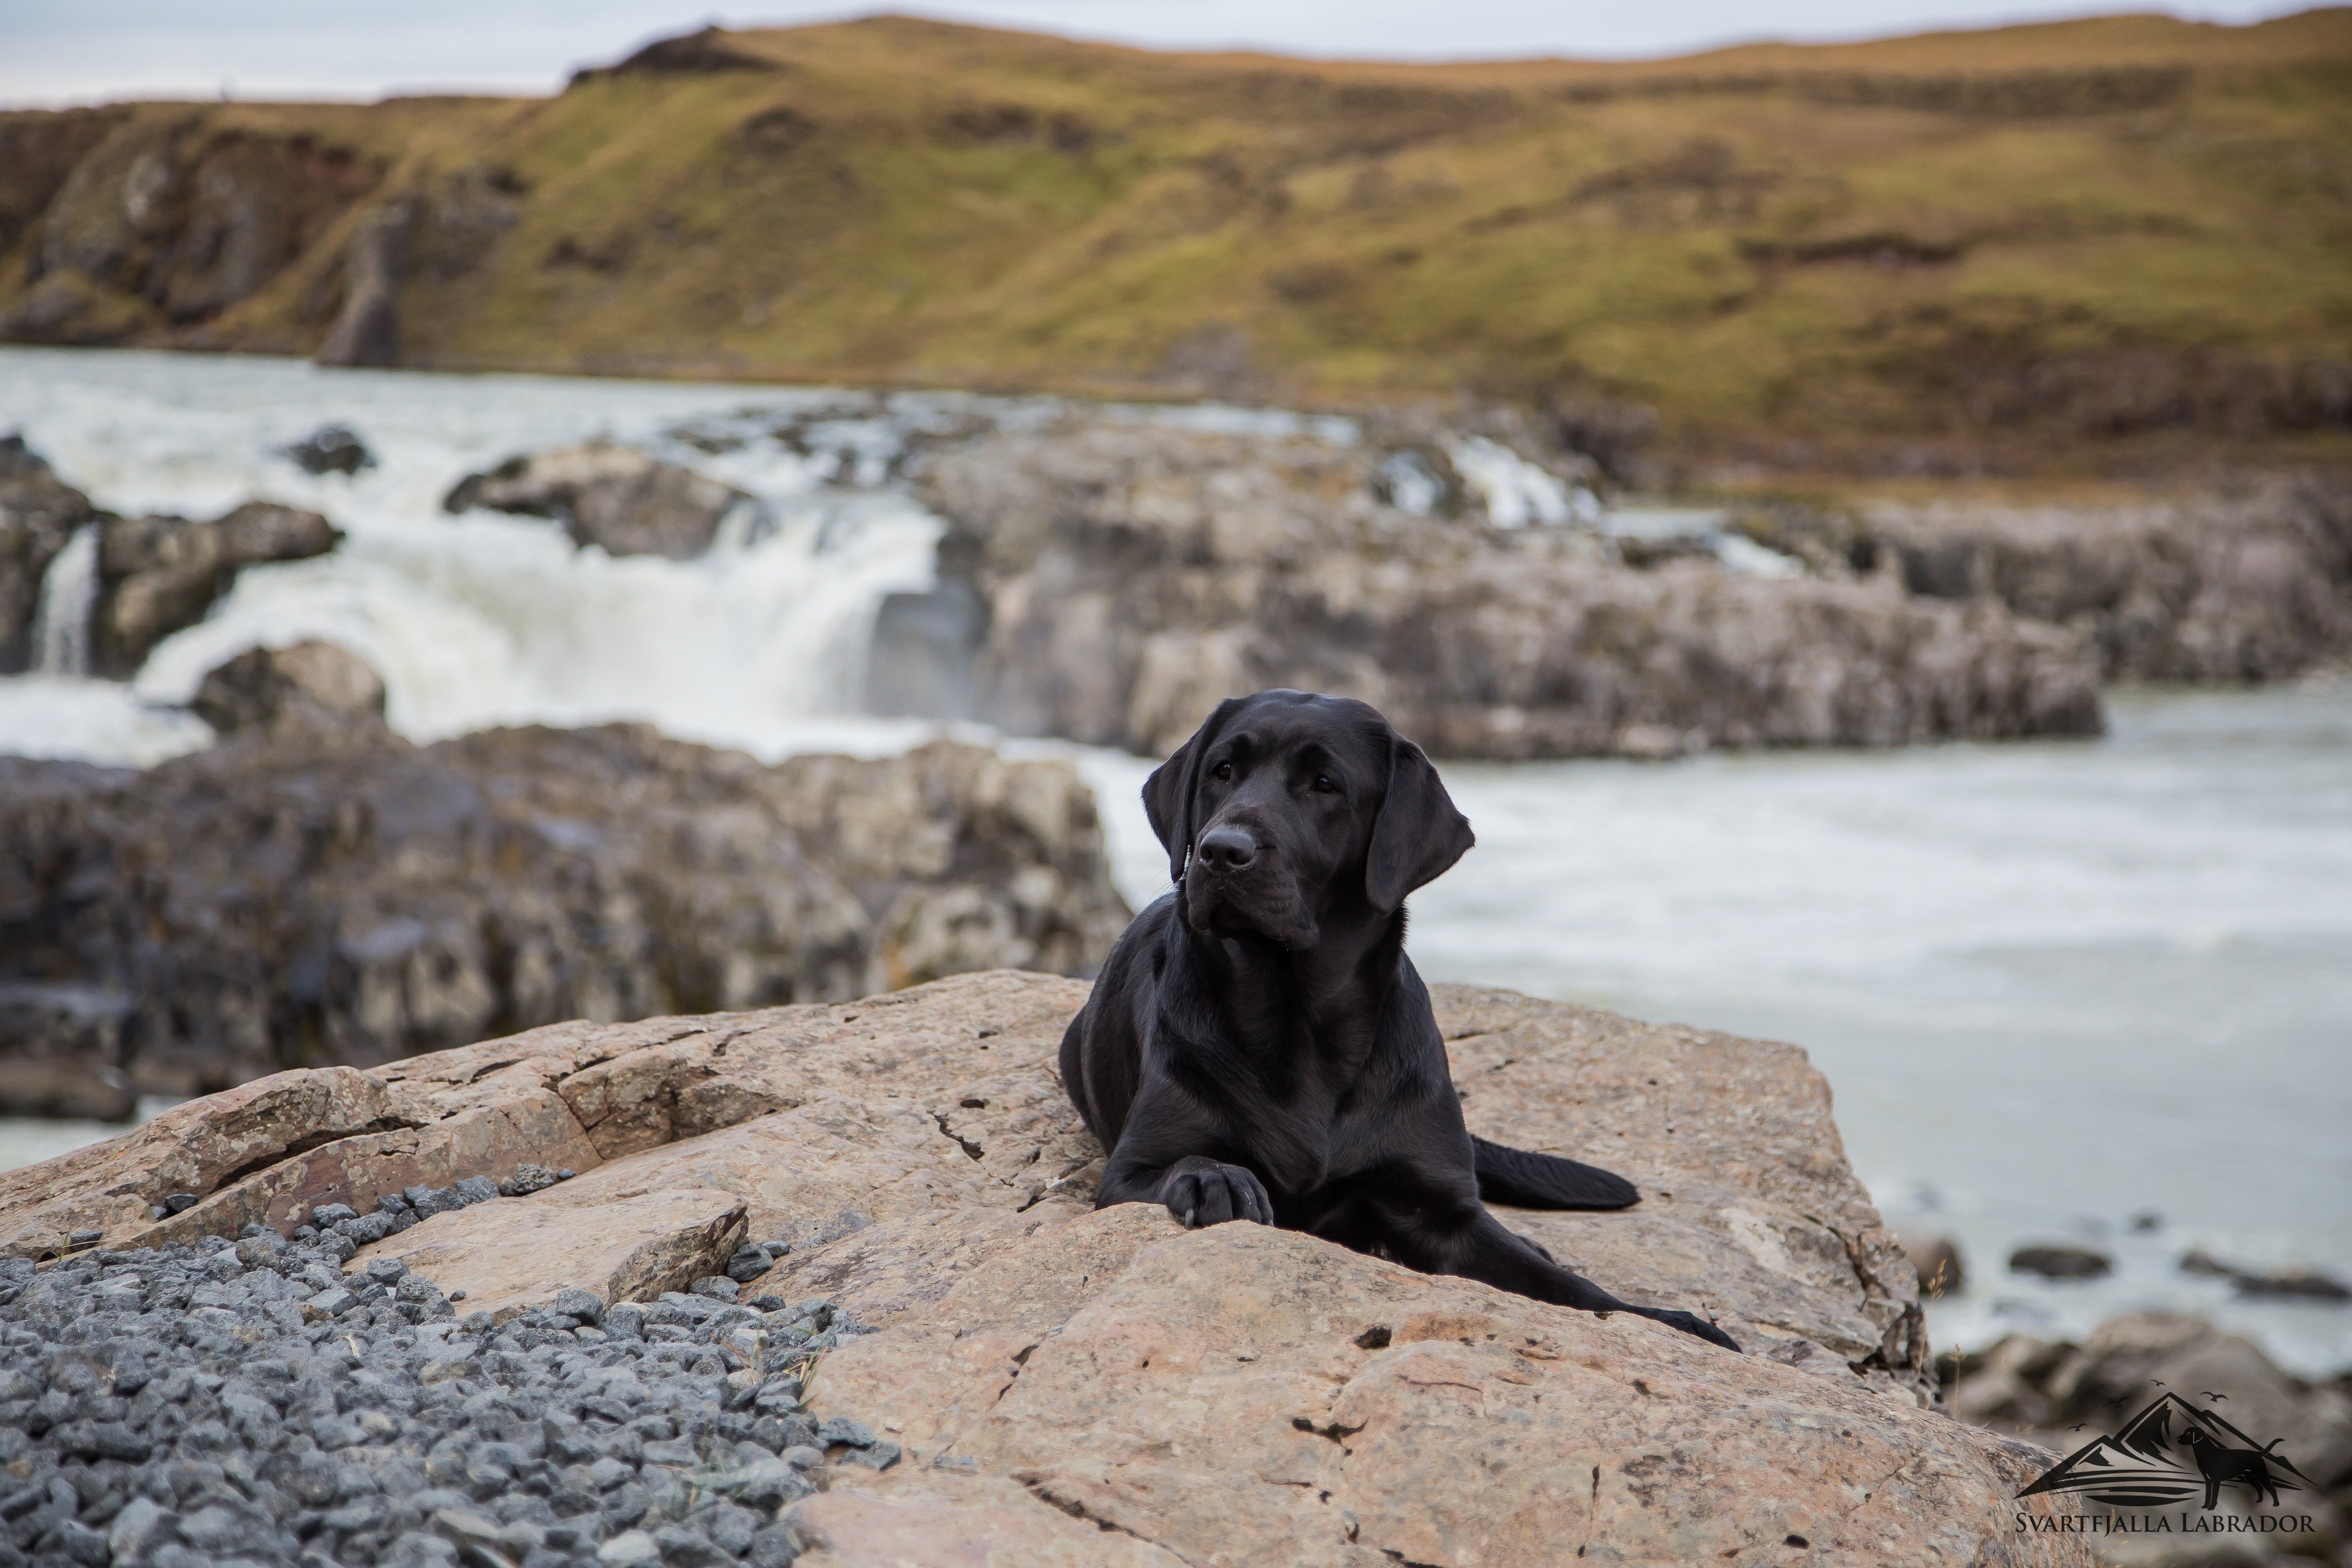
{"x": 2055, "y": 986}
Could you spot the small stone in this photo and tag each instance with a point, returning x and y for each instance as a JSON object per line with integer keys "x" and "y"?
{"x": 566, "y": 1173}
{"x": 329, "y": 1214}
{"x": 333, "y": 1304}
{"x": 629, "y": 1547}
{"x": 181, "y": 1202}
{"x": 842, "y": 1429}
{"x": 475, "y": 1189}
{"x": 386, "y": 1272}
{"x": 526, "y": 1180}
{"x": 457, "y": 1295}
{"x": 584, "y": 1306}
{"x": 881, "y": 1456}
{"x": 717, "y": 1286}
{"x": 775, "y": 1547}
{"x": 85, "y": 1238}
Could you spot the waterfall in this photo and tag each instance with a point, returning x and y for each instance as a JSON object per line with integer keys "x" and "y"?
{"x": 68, "y": 596}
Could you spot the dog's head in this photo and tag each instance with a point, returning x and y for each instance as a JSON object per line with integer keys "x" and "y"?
{"x": 1288, "y": 812}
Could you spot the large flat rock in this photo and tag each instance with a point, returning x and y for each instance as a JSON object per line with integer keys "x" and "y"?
{"x": 509, "y": 1253}
{"x": 1245, "y": 1396}
{"x": 1233, "y": 1395}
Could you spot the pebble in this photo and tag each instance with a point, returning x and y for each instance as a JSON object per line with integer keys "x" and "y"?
{"x": 247, "y": 1402}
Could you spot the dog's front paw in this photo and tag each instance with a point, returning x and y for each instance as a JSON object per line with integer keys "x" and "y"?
{"x": 1692, "y": 1323}
{"x": 1207, "y": 1192}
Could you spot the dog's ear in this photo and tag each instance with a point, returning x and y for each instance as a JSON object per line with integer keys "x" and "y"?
{"x": 1168, "y": 793}
{"x": 1418, "y": 835}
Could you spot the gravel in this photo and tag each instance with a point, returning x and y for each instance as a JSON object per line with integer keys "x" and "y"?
{"x": 246, "y": 1402}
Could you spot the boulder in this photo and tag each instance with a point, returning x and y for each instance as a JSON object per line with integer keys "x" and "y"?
{"x": 2293, "y": 1282}
{"x": 1136, "y": 573}
{"x": 38, "y": 513}
{"x": 330, "y": 449}
{"x": 1062, "y": 1383}
{"x": 159, "y": 574}
{"x": 312, "y": 893}
{"x": 306, "y": 684}
{"x": 612, "y": 497}
{"x": 2060, "y": 1260}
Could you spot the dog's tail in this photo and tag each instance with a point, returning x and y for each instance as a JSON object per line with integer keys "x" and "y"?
{"x": 1524, "y": 1180}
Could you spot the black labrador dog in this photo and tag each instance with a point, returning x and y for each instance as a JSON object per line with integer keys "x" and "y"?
{"x": 1260, "y": 1048}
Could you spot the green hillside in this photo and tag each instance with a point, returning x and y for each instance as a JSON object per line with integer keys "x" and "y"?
{"x": 2129, "y": 235}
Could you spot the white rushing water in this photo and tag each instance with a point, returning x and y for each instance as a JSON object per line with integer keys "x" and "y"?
{"x": 68, "y": 594}
{"x": 2056, "y": 986}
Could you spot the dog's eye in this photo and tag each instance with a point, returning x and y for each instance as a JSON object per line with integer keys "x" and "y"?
{"x": 1222, "y": 771}
{"x": 1326, "y": 785}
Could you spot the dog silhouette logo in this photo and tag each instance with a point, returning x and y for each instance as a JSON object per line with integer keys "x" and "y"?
{"x": 2169, "y": 1453}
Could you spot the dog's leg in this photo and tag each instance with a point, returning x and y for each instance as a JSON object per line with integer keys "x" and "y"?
{"x": 1475, "y": 1245}
{"x": 1198, "y": 1190}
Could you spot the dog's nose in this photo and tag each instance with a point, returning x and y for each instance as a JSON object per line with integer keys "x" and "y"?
{"x": 1227, "y": 848}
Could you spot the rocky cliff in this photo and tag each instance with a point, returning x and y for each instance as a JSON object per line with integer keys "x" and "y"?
{"x": 306, "y": 893}
{"x": 1057, "y": 1384}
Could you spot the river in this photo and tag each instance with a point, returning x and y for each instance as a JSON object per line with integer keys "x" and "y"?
{"x": 2059, "y": 988}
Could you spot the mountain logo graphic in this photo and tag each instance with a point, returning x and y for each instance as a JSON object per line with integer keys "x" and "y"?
{"x": 2169, "y": 1453}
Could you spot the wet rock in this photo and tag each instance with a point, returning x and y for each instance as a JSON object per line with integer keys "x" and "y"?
{"x": 306, "y": 684}
{"x": 2061, "y": 1261}
{"x": 159, "y": 574}
{"x": 2303, "y": 1284}
{"x": 315, "y": 894}
{"x": 615, "y": 497}
{"x": 2292, "y": 1283}
{"x": 1135, "y": 574}
{"x": 2251, "y": 587}
{"x": 331, "y": 449}
{"x": 65, "y": 1045}
{"x": 38, "y": 513}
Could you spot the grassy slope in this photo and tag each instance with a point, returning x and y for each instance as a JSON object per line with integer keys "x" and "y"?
{"x": 1745, "y": 239}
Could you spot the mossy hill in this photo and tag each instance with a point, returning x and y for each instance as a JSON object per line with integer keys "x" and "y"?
{"x": 2131, "y": 235}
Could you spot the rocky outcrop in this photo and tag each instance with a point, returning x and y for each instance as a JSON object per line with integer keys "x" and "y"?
{"x": 2248, "y": 587}
{"x": 38, "y": 513}
{"x": 366, "y": 330}
{"x": 1135, "y": 574}
{"x": 314, "y": 683}
{"x": 1235, "y": 1394}
{"x": 171, "y": 220}
{"x": 313, "y": 893}
{"x": 612, "y": 497}
{"x": 159, "y": 574}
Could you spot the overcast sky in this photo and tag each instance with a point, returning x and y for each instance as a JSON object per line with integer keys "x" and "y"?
{"x": 79, "y": 51}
